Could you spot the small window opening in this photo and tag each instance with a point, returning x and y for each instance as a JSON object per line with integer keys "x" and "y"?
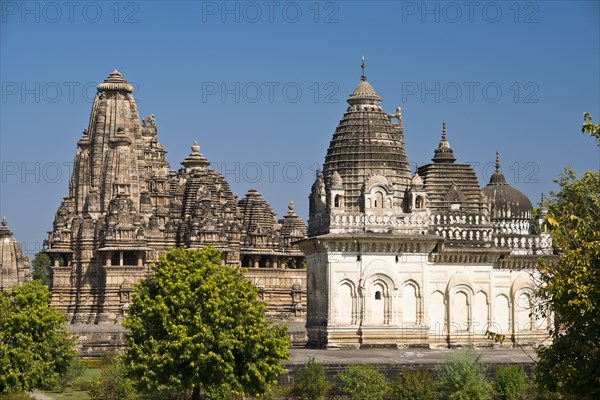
{"x": 378, "y": 295}
{"x": 337, "y": 201}
{"x": 418, "y": 202}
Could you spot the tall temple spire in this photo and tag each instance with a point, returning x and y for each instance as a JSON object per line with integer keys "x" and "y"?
{"x": 368, "y": 131}
{"x": 362, "y": 66}
{"x": 444, "y": 153}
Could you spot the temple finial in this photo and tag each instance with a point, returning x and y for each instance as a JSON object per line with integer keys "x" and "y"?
{"x": 4, "y": 223}
{"x": 497, "y": 161}
{"x": 362, "y": 66}
{"x": 195, "y": 148}
{"x": 444, "y": 131}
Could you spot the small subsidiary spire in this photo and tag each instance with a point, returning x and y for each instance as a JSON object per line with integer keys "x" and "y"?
{"x": 444, "y": 153}
{"x": 362, "y": 66}
{"x": 497, "y": 177}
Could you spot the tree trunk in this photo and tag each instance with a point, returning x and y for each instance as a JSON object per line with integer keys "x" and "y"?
{"x": 196, "y": 393}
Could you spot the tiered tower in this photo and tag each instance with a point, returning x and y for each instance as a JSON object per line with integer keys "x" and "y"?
{"x": 104, "y": 230}
{"x": 125, "y": 207}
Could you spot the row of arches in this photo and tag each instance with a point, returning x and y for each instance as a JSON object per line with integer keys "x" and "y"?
{"x": 463, "y": 311}
{"x": 459, "y": 310}
{"x": 375, "y": 306}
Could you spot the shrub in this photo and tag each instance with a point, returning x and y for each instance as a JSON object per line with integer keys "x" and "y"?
{"x": 311, "y": 383}
{"x": 74, "y": 371}
{"x": 113, "y": 383}
{"x": 509, "y": 382}
{"x": 414, "y": 385}
{"x": 93, "y": 388}
{"x": 363, "y": 382}
{"x": 462, "y": 377}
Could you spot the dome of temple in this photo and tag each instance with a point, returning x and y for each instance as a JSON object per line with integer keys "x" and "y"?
{"x": 364, "y": 94}
{"x": 506, "y": 201}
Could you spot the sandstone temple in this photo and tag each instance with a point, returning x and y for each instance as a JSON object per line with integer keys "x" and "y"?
{"x": 390, "y": 257}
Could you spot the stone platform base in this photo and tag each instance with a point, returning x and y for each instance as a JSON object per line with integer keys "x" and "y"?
{"x": 96, "y": 341}
{"x": 391, "y": 362}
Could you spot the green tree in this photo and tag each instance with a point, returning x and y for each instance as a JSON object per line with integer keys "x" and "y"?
{"x": 41, "y": 268}
{"x": 590, "y": 128}
{"x": 462, "y": 377}
{"x": 311, "y": 383}
{"x": 363, "y": 382}
{"x": 570, "y": 288}
{"x": 35, "y": 348}
{"x": 197, "y": 325}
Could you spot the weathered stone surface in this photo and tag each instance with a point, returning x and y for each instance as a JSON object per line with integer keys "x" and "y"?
{"x": 125, "y": 207}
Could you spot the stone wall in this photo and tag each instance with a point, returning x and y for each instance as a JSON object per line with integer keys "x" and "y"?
{"x": 394, "y": 362}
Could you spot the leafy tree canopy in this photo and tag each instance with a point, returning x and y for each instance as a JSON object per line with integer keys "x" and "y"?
{"x": 571, "y": 287}
{"x": 41, "y": 268}
{"x": 198, "y": 325}
{"x": 35, "y": 348}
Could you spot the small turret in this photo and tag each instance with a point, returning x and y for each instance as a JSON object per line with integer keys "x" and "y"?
{"x": 444, "y": 153}
{"x": 14, "y": 266}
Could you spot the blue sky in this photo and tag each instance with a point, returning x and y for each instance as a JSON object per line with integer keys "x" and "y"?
{"x": 262, "y": 85}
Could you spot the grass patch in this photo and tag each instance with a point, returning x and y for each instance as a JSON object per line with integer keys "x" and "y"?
{"x": 73, "y": 392}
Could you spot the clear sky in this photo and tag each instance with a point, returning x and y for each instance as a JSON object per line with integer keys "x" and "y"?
{"x": 262, "y": 85}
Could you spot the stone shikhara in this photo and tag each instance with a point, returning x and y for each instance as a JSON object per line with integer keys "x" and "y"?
{"x": 125, "y": 207}
{"x": 389, "y": 258}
